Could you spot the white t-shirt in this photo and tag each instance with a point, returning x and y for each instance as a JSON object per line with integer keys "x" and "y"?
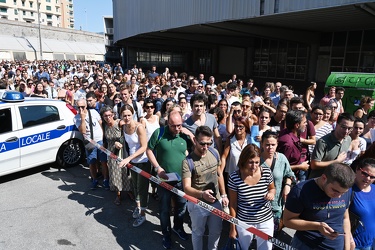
{"x": 97, "y": 129}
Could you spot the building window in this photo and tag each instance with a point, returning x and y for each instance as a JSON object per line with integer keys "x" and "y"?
{"x": 57, "y": 9}
{"x": 31, "y": 4}
{"x": 3, "y": 10}
{"x": 280, "y": 59}
{"x": 48, "y": 1}
{"x": 48, "y": 7}
{"x": 15, "y": 12}
{"x": 49, "y": 16}
{"x": 24, "y": 13}
{"x": 15, "y": 2}
{"x": 31, "y": 13}
{"x": 3, "y": 1}
{"x": 23, "y": 3}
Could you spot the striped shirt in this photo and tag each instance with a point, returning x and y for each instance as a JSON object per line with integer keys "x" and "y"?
{"x": 252, "y": 207}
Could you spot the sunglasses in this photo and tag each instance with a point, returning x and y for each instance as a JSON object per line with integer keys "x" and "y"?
{"x": 149, "y": 107}
{"x": 237, "y": 111}
{"x": 205, "y": 143}
{"x": 365, "y": 174}
{"x": 81, "y": 107}
{"x": 246, "y": 106}
{"x": 256, "y": 107}
{"x": 240, "y": 127}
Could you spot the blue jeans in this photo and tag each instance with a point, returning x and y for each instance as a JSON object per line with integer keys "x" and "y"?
{"x": 165, "y": 205}
{"x": 298, "y": 244}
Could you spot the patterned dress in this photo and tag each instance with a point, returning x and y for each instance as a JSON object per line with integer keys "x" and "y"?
{"x": 119, "y": 178}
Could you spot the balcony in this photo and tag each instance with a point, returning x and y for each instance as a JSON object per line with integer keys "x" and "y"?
{"x": 29, "y": 18}
{"x": 110, "y": 31}
{"x": 108, "y": 42}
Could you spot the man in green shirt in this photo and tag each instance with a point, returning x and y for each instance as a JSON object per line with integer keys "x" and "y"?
{"x": 167, "y": 148}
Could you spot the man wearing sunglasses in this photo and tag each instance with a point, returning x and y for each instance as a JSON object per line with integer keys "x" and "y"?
{"x": 200, "y": 181}
{"x": 86, "y": 122}
{"x": 166, "y": 150}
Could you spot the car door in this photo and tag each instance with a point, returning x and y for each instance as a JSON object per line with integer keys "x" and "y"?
{"x": 39, "y": 138}
{"x": 9, "y": 140}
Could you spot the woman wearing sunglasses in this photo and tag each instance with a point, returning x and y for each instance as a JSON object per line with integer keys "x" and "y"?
{"x": 363, "y": 205}
{"x": 151, "y": 123}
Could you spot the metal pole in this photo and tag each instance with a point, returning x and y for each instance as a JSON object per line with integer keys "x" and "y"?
{"x": 39, "y": 30}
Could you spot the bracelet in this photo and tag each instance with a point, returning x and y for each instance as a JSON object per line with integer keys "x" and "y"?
{"x": 287, "y": 184}
{"x": 156, "y": 168}
{"x": 224, "y": 196}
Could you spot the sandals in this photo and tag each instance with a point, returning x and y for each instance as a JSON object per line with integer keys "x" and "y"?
{"x": 118, "y": 200}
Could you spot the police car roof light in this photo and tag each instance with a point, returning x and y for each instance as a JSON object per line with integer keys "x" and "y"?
{"x": 11, "y": 96}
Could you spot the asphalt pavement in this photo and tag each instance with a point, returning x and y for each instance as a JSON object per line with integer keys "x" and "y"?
{"x": 49, "y": 208}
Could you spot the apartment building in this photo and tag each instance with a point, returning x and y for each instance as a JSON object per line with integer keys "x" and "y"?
{"x": 56, "y": 13}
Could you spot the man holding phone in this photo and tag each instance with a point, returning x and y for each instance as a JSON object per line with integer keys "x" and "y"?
{"x": 318, "y": 210}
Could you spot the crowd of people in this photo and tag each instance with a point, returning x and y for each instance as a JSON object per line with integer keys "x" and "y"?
{"x": 267, "y": 155}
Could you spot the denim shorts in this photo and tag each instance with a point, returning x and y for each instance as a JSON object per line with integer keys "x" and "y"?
{"x": 96, "y": 154}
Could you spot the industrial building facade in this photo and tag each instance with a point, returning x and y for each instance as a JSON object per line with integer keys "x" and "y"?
{"x": 290, "y": 41}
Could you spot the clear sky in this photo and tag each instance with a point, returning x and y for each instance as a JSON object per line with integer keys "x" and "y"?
{"x": 88, "y": 14}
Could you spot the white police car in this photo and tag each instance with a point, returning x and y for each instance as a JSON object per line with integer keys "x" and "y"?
{"x": 36, "y": 131}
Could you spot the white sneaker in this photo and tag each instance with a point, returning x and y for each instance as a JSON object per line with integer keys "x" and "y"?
{"x": 139, "y": 221}
{"x": 136, "y": 212}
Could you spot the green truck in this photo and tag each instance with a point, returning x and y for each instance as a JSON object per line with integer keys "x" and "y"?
{"x": 357, "y": 85}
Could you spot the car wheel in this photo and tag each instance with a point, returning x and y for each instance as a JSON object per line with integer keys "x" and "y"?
{"x": 70, "y": 154}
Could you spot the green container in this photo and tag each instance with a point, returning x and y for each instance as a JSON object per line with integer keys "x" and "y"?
{"x": 357, "y": 86}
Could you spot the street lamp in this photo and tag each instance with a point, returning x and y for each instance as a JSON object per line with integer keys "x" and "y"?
{"x": 39, "y": 30}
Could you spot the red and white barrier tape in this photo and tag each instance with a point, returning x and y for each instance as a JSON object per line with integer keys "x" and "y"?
{"x": 200, "y": 203}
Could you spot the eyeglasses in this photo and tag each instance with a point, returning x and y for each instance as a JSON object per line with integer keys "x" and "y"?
{"x": 365, "y": 174}
{"x": 205, "y": 143}
{"x": 175, "y": 126}
{"x": 268, "y": 103}
{"x": 200, "y": 86}
{"x": 334, "y": 107}
{"x": 346, "y": 128}
{"x": 240, "y": 127}
{"x": 149, "y": 107}
{"x": 81, "y": 107}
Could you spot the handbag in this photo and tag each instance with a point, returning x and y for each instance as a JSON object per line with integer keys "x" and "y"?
{"x": 88, "y": 145}
{"x": 232, "y": 244}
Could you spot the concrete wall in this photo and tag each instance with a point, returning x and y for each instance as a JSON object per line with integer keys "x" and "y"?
{"x": 19, "y": 39}
{"x": 14, "y": 28}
